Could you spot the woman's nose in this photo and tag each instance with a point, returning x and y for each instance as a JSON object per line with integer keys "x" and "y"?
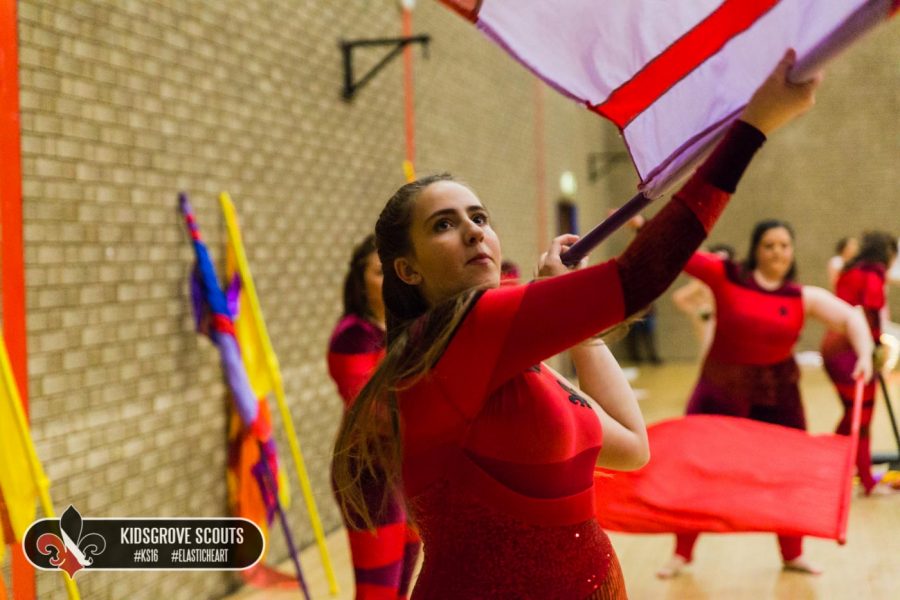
{"x": 474, "y": 234}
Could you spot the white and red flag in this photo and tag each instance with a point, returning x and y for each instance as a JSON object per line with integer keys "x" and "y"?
{"x": 671, "y": 75}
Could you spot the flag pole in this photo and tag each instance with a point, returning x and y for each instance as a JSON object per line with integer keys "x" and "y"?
{"x": 267, "y": 480}
{"x": 855, "y": 421}
{"x": 409, "y": 111}
{"x": 854, "y": 27}
{"x": 271, "y": 361}
{"x": 595, "y": 236}
{"x": 859, "y": 23}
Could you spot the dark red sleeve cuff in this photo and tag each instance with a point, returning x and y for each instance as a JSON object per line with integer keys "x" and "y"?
{"x": 708, "y": 190}
{"x": 727, "y": 163}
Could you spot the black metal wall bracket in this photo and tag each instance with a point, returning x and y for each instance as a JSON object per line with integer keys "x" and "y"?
{"x": 351, "y": 87}
{"x": 601, "y": 163}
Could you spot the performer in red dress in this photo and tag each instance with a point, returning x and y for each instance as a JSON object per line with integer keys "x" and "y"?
{"x": 383, "y": 560}
{"x": 750, "y": 369}
{"x": 496, "y": 450}
{"x": 861, "y": 283}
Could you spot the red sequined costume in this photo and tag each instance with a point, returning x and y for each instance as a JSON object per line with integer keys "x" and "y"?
{"x": 498, "y": 454}
{"x": 862, "y": 285}
{"x": 383, "y": 562}
{"x": 750, "y": 369}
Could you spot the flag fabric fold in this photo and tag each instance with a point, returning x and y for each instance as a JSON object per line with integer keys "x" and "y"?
{"x": 726, "y": 474}
{"x": 243, "y": 451}
{"x": 670, "y": 75}
{"x": 22, "y": 479}
{"x": 253, "y": 427}
{"x": 21, "y": 475}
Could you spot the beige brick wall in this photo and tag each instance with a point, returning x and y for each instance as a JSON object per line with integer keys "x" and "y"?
{"x": 126, "y": 103}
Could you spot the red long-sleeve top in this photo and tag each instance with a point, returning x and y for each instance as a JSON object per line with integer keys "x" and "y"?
{"x": 498, "y": 454}
{"x": 861, "y": 285}
{"x": 354, "y": 352}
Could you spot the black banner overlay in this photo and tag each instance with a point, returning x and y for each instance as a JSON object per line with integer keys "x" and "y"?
{"x": 71, "y": 543}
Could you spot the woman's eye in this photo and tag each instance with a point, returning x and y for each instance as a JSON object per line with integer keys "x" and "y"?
{"x": 480, "y": 218}
{"x": 443, "y": 225}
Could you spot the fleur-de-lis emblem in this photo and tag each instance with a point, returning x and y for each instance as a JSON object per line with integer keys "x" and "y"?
{"x": 74, "y": 551}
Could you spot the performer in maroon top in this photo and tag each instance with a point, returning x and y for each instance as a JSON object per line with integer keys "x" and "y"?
{"x": 498, "y": 451}
{"x": 383, "y": 560}
{"x": 750, "y": 369}
{"x": 861, "y": 283}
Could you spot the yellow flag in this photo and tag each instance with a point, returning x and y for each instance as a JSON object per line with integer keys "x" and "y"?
{"x": 21, "y": 475}
{"x": 263, "y": 354}
{"x": 256, "y": 353}
{"x": 22, "y": 478}
{"x": 247, "y": 331}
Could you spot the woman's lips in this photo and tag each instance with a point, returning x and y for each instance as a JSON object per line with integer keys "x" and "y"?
{"x": 481, "y": 259}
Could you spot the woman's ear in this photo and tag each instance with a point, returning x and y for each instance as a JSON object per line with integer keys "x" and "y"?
{"x": 406, "y": 272}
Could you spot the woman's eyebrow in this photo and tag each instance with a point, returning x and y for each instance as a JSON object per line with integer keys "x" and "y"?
{"x": 440, "y": 213}
{"x": 452, "y": 211}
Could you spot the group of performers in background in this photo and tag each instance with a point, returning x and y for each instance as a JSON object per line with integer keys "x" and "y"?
{"x": 454, "y": 422}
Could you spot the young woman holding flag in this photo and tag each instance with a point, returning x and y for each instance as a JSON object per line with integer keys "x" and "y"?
{"x": 497, "y": 451}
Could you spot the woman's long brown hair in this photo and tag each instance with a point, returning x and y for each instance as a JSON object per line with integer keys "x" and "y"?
{"x": 356, "y": 301}
{"x": 879, "y": 247}
{"x": 368, "y": 444}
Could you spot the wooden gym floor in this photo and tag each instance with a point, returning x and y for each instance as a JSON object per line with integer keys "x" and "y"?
{"x": 732, "y": 567}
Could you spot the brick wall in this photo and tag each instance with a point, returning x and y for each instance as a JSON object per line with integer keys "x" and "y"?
{"x": 126, "y": 103}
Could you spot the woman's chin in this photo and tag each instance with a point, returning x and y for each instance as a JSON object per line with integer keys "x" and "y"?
{"x": 485, "y": 282}
{"x": 490, "y": 281}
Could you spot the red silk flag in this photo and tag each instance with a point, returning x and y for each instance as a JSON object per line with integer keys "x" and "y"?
{"x": 726, "y": 474}
{"x": 671, "y": 75}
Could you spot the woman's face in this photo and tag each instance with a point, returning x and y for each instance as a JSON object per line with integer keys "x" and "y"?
{"x": 454, "y": 247}
{"x": 373, "y": 278}
{"x": 775, "y": 253}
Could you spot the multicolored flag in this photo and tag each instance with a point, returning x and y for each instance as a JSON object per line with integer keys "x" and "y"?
{"x": 215, "y": 319}
{"x": 670, "y": 75}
